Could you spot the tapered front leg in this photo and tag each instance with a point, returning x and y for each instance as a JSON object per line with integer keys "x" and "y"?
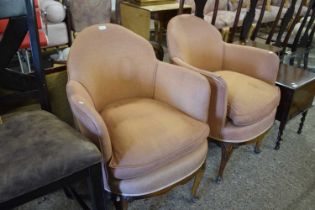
{"x": 120, "y": 202}
{"x": 302, "y": 122}
{"x": 197, "y": 180}
{"x": 226, "y": 152}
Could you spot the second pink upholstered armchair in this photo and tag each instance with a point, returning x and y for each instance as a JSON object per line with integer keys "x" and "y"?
{"x": 148, "y": 118}
{"x": 244, "y": 97}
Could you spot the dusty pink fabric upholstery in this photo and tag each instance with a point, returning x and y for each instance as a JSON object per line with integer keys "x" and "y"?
{"x": 250, "y": 100}
{"x": 197, "y": 45}
{"x": 144, "y": 115}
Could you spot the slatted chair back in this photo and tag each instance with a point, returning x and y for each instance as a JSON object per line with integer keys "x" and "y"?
{"x": 302, "y": 39}
{"x": 290, "y": 27}
{"x": 181, "y": 7}
{"x": 286, "y": 26}
{"x": 200, "y": 5}
{"x": 236, "y": 20}
{"x": 259, "y": 22}
{"x": 276, "y": 22}
{"x": 215, "y": 12}
{"x": 248, "y": 20}
{"x": 307, "y": 38}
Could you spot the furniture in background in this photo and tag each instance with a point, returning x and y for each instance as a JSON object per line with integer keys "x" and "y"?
{"x": 22, "y": 19}
{"x": 79, "y": 15}
{"x": 84, "y": 13}
{"x": 55, "y": 26}
{"x": 23, "y": 54}
{"x": 297, "y": 95}
{"x": 127, "y": 102}
{"x": 52, "y": 154}
{"x": 244, "y": 97}
{"x": 137, "y": 18}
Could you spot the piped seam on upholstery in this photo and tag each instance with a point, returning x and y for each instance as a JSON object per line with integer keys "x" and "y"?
{"x": 155, "y": 76}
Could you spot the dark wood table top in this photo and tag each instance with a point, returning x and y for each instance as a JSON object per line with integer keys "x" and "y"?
{"x": 293, "y": 78}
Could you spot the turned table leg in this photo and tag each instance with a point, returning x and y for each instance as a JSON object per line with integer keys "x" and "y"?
{"x": 280, "y": 132}
{"x": 302, "y": 122}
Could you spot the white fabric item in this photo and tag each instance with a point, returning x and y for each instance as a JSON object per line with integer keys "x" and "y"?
{"x": 55, "y": 12}
{"x": 56, "y": 34}
{"x": 61, "y": 55}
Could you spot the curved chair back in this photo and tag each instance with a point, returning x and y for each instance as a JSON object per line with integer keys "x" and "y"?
{"x": 108, "y": 71}
{"x": 195, "y": 48}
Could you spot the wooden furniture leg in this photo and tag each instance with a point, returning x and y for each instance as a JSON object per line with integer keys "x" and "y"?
{"x": 226, "y": 152}
{"x": 120, "y": 203}
{"x": 95, "y": 182}
{"x": 197, "y": 180}
{"x": 257, "y": 149}
{"x": 279, "y": 138}
{"x": 302, "y": 122}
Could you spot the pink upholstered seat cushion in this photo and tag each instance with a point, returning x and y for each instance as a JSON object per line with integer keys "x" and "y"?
{"x": 249, "y": 99}
{"x": 147, "y": 134}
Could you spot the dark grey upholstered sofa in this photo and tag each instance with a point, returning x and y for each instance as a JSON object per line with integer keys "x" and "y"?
{"x": 38, "y": 150}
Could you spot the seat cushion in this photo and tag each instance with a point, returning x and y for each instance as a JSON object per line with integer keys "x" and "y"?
{"x": 219, "y": 23}
{"x": 57, "y": 34}
{"x": 249, "y": 99}
{"x": 37, "y": 149}
{"x": 147, "y": 134}
{"x": 163, "y": 177}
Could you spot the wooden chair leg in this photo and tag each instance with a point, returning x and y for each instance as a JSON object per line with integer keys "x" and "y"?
{"x": 225, "y": 33}
{"x": 197, "y": 180}
{"x": 226, "y": 152}
{"x": 67, "y": 192}
{"x": 120, "y": 203}
{"x": 259, "y": 139}
{"x": 96, "y": 187}
{"x": 257, "y": 149}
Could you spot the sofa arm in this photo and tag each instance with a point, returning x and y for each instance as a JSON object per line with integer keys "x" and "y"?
{"x": 89, "y": 121}
{"x": 186, "y": 90}
{"x": 218, "y": 100}
{"x": 254, "y": 62}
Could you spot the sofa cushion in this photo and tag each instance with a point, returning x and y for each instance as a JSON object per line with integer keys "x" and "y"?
{"x": 37, "y": 149}
{"x": 249, "y": 99}
{"x": 57, "y": 34}
{"x": 147, "y": 134}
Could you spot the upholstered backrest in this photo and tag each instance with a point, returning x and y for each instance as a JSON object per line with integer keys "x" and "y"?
{"x": 112, "y": 63}
{"x": 195, "y": 42}
{"x": 86, "y": 13}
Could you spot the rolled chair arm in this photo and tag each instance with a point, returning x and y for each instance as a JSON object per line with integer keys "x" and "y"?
{"x": 89, "y": 120}
{"x": 218, "y": 101}
{"x": 254, "y": 62}
{"x": 186, "y": 90}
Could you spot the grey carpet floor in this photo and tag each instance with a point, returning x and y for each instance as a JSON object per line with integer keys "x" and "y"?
{"x": 283, "y": 179}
